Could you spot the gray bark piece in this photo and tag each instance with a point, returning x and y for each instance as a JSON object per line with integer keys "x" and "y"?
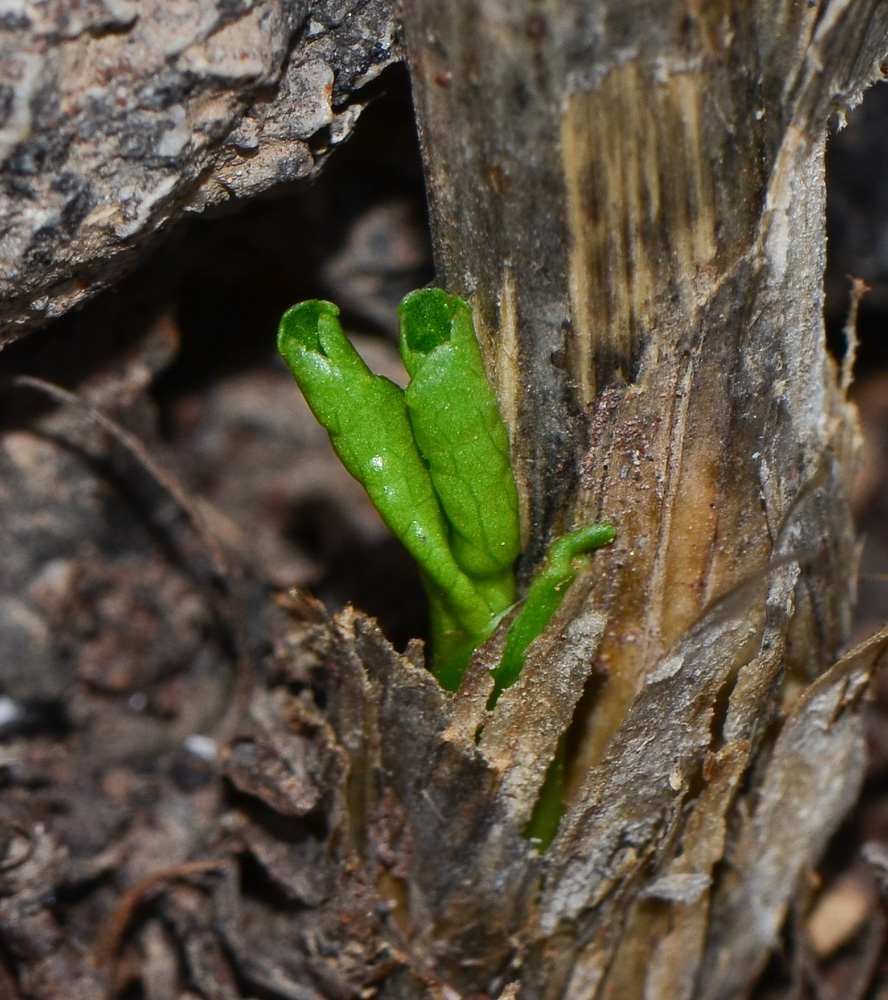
{"x": 117, "y": 117}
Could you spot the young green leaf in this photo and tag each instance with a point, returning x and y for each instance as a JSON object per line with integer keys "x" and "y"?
{"x": 366, "y": 418}
{"x": 459, "y": 431}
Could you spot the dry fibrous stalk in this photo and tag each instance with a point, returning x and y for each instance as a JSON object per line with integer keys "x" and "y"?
{"x": 438, "y": 791}
{"x": 632, "y": 199}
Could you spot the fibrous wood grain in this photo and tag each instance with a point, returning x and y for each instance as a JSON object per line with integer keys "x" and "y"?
{"x": 118, "y": 117}
{"x": 632, "y": 197}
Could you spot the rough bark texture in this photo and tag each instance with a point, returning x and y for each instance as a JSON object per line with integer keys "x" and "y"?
{"x": 632, "y": 195}
{"x": 117, "y": 117}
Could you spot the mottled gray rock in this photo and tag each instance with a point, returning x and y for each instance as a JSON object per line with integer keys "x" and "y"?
{"x": 117, "y": 117}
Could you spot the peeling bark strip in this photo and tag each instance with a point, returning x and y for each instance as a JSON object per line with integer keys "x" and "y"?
{"x": 632, "y": 198}
{"x": 117, "y": 116}
{"x": 630, "y": 900}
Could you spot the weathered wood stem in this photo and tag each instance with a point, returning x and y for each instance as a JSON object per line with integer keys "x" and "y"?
{"x": 632, "y": 197}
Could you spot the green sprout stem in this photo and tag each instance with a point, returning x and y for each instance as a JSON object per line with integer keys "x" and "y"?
{"x": 434, "y": 460}
{"x": 544, "y": 596}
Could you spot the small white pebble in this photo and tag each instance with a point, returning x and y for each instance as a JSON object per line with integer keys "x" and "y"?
{"x": 10, "y": 711}
{"x": 202, "y": 746}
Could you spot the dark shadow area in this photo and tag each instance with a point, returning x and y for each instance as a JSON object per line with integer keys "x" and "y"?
{"x": 380, "y": 579}
{"x": 857, "y": 228}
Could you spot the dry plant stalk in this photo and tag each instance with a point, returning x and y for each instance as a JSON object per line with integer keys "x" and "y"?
{"x": 632, "y": 198}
